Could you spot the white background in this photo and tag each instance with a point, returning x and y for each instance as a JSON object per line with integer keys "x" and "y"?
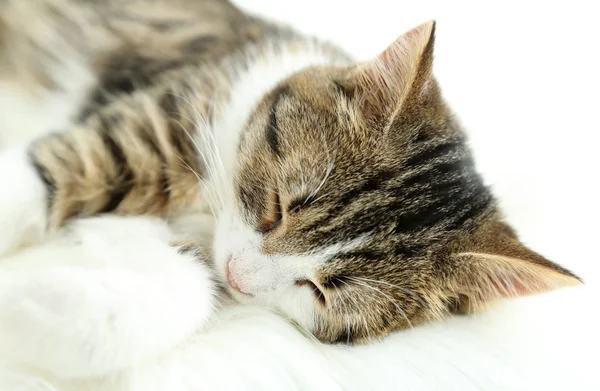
{"x": 523, "y": 77}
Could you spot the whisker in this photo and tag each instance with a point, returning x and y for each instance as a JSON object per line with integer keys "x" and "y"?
{"x": 353, "y": 298}
{"x": 358, "y": 282}
{"x": 347, "y": 317}
{"x": 407, "y": 291}
{"x": 303, "y": 180}
{"x": 213, "y": 150}
{"x": 329, "y": 168}
{"x": 211, "y": 163}
{"x": 208, "y": 166}
{"x": 347, "y": 321}
{"x": 203, "y": 183}
{"x": 215, "y": 153}
{"x": 318, "y": 198}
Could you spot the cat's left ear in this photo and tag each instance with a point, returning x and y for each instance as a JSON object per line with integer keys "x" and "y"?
{"x": 399, "y": 73}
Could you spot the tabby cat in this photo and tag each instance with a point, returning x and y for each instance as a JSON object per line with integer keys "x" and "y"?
{"x": 344, "y": 194}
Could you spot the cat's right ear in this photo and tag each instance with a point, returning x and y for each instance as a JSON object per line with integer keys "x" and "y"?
{"x": 402, "y": 71}
{"x": 495, "y": 265}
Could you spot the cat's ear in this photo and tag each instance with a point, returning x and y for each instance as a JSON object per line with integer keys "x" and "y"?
{"x": 502, "y": 267}
{"x": 404, "y": 68}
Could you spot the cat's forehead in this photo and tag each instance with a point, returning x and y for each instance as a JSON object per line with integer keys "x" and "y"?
{"x": 317, "y": 85}
{"x": 309, "y": 114}
{"x": 314, "y": 95}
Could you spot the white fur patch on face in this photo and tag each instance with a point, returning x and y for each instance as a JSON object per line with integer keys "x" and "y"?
{"x": 252, "y": 276}
{"x": 251, "y": 84}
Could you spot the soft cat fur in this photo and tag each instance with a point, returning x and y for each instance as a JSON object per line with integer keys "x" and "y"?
{"x": 345, "y": 195}
{"x": 62, "y": 301}
{"x": 94, "y": 307}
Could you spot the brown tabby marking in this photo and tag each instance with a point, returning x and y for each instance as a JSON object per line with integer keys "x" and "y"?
{"x": 395, "y": 174}
{"x": 368, "y": 154}
{"x": 136, "y": 158}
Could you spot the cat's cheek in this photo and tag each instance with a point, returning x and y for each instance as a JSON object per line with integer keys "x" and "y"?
{"x": 297, "y": 303}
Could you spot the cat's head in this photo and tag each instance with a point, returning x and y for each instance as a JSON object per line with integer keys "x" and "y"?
{"x": 358, "y": 210}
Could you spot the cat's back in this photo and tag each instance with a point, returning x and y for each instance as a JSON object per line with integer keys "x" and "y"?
{"x": 183, "y": 28}
{"x": 75, "y": 56}
{"x": 100, "y": 30}
{"x": 153, "y": 41}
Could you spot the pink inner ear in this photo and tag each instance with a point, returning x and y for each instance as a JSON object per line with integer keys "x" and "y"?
{"x": 521, "y": 284}
{"x": 508, "y": 286}
{"x": 386, "y": 80}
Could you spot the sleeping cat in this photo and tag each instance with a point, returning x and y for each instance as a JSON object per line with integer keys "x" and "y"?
{"x": 344, "y": 194}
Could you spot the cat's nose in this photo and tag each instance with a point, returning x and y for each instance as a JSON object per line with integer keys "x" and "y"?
{"x": 250, "y": 274}
{"x": 229, "y": 275}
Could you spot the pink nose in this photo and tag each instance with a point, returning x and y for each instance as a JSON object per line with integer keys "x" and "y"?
{"x": 231, "y": 279}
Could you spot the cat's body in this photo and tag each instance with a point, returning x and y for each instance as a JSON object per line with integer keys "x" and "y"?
{"x": 189, "y": 108}
{"x": 149, "y": 61}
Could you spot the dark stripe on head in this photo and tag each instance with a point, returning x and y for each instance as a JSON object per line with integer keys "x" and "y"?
{"x": 272, "y": 128}
{"x": 248, "y": 198}
{"x": 365, "y": 255}
{"x": 373, "y": 183}
{"x": 444, "y": 195}
{"x": 376, "y": 182}
{"x": 479, "y": 203}
{"x": 430, "y": 152}
{"x": 432, "y": 174}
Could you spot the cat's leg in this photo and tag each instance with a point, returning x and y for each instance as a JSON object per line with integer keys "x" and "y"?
{"x": 101, "y": 295}
{"x": 135, "y": 157}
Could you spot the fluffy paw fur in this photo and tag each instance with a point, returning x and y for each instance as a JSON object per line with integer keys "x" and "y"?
{"x": 104, "y": 294}
{"x": 22, "y": 201}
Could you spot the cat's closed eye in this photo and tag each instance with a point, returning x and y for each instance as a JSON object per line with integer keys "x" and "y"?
{"x": 362, "y": 210}
{"x": 273, "y": 216}
{"x": 276, "y": 211}
{"x": 317, "y": 293}
{"x": 296, "y": 204}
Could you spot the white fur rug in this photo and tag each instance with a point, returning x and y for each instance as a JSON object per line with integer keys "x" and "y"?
{"x": 523, "y": 79}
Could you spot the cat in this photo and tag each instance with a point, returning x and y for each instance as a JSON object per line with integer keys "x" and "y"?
{"x": 344, "y": 195}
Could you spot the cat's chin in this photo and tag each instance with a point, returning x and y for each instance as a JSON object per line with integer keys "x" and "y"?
{"x": 240, "y": 297}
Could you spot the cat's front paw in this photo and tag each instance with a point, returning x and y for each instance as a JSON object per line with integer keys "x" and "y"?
{"x": 106, "y": 294}
{"x": 22, "y": 201}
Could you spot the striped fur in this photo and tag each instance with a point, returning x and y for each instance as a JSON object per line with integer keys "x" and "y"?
{"x": 353, "y": 180}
